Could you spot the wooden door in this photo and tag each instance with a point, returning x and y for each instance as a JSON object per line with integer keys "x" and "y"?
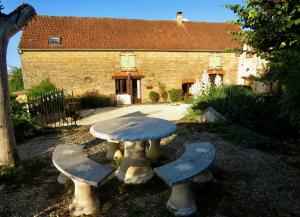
{"x": 136, "y": 91}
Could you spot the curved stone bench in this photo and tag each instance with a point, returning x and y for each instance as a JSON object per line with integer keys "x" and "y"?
{"x": 195, "y": 160}
{"x": 71, "y": 161}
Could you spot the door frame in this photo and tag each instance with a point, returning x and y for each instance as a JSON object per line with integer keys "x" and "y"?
{"x": 139, "y": 90}
{"x": 129, "y": 86}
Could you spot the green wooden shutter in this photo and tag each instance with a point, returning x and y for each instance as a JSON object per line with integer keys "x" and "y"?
{"x": 131, "y": 62}
{"x": 211, "y": 61}
{"x": 124, "y": 61}
{"x": 215, "y": 62}
{"x": 218, "y": 62}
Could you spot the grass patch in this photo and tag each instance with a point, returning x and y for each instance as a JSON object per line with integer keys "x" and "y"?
{"x": 242, "y": 136}
{"x": 133, "y": 211}
{"x": 191, "y": 115}
{"x": 20, "y": 174}
{"x": 233, "y": 133}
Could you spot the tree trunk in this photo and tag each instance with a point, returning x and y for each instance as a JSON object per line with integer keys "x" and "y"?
{"x": 8, "y": 154}
{"x": 9, "y": 25}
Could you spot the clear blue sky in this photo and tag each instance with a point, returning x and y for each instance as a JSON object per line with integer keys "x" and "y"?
{"x": 194, "y": 10}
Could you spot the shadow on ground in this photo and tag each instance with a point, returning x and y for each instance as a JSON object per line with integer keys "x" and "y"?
{"x": 249, "y": 182}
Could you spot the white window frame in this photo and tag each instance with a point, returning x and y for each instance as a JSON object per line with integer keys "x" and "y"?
{"x": 54, "y": 40}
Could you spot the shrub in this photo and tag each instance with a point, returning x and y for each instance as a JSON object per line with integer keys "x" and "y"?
{"x": 175, "y": 95}
{"x": 15, "y": 81}
{"x": 94, "y": 100}
{"x": 240, "y": 105}
{"x": 154, "y": 96}
{"x": 24, "y": 126}
{"x": 191, "y": 115}
{"x": 44, "y": 87}
{"x": 225, "y": 99}
{"x": 162, "y": 91}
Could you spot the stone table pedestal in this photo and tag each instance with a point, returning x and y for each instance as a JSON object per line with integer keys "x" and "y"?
{"x": 134, "y": 168}
{"x": 114, "y": 152}
{"x": 153, "y": 152}
{"x": 133, "y": 131}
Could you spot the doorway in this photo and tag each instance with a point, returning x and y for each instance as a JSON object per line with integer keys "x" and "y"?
{"x": 136, "y": 91}
{"x": 129, "y": 90}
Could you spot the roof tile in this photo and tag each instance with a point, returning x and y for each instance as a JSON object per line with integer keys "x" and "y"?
{"x": 126, "y": 34}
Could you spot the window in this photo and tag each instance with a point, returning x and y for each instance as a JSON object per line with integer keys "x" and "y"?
{"x": 128, "y": 62}
{"x": 54, "y": 40}
{"x": 215, "y": 61}
{"x": 186, "y": 88}
{"x": 121, "y": 86}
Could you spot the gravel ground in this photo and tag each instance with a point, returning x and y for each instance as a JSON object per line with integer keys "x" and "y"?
{"x": 169, "y": 112}
{"x": 249, "y": 182}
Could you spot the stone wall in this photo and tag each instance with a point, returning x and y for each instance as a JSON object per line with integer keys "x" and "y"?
{"x": 68, "y": 69}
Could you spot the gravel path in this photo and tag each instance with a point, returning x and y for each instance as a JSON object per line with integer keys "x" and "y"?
{"x": 171, "y": 112}
{"x": 250, "y": 182}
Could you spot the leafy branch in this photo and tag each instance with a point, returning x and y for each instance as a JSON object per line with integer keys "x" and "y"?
{"x": 1, "y": 7}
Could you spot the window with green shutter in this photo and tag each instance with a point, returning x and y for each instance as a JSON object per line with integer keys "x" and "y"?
{"x": 128, "y": 61}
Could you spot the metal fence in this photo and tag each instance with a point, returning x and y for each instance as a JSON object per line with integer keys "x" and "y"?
{"x": 53, "y": 109}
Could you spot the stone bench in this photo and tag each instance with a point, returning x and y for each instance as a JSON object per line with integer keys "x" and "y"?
{"x": 195, "y": 160}
{"x": 71, "y": 161}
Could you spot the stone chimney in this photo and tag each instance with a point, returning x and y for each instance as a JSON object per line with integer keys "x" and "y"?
{"x": 179, "y": 17}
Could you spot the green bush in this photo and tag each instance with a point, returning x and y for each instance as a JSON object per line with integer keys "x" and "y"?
{"x": 94, "y": 100}
{"x": 225, "y": 99}
{"x": 191, "y": 115}
{"x": 240, "y": 105}
{"x": 286, "y": 69}
{"x": 175, "y": 95}
{"x": 24, "y": 126}
{"x": 162, "y": 91}
{"x": 15, "y": 80}
{"x": 154, "y": 96}
{"x": 44, "y": 87}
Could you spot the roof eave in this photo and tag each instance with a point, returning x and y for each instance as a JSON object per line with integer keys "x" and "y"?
{"x": 128, "y": 49}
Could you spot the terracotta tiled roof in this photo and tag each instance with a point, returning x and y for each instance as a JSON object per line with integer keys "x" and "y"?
{"x": 126, "y": 34}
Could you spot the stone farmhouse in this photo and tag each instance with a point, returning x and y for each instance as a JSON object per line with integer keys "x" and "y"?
{"x": 125, "y": 58}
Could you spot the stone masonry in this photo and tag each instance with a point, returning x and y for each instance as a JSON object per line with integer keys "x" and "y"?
{"x": 68, "y": 69}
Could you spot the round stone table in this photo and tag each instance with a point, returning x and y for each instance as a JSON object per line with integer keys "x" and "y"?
{"x": 134, "y": 131}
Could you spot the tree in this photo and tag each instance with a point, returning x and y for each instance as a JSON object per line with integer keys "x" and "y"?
{"x": 15, "y": 80}
{"x": 10, "y": 24}
{"x": 272, "y": 28}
